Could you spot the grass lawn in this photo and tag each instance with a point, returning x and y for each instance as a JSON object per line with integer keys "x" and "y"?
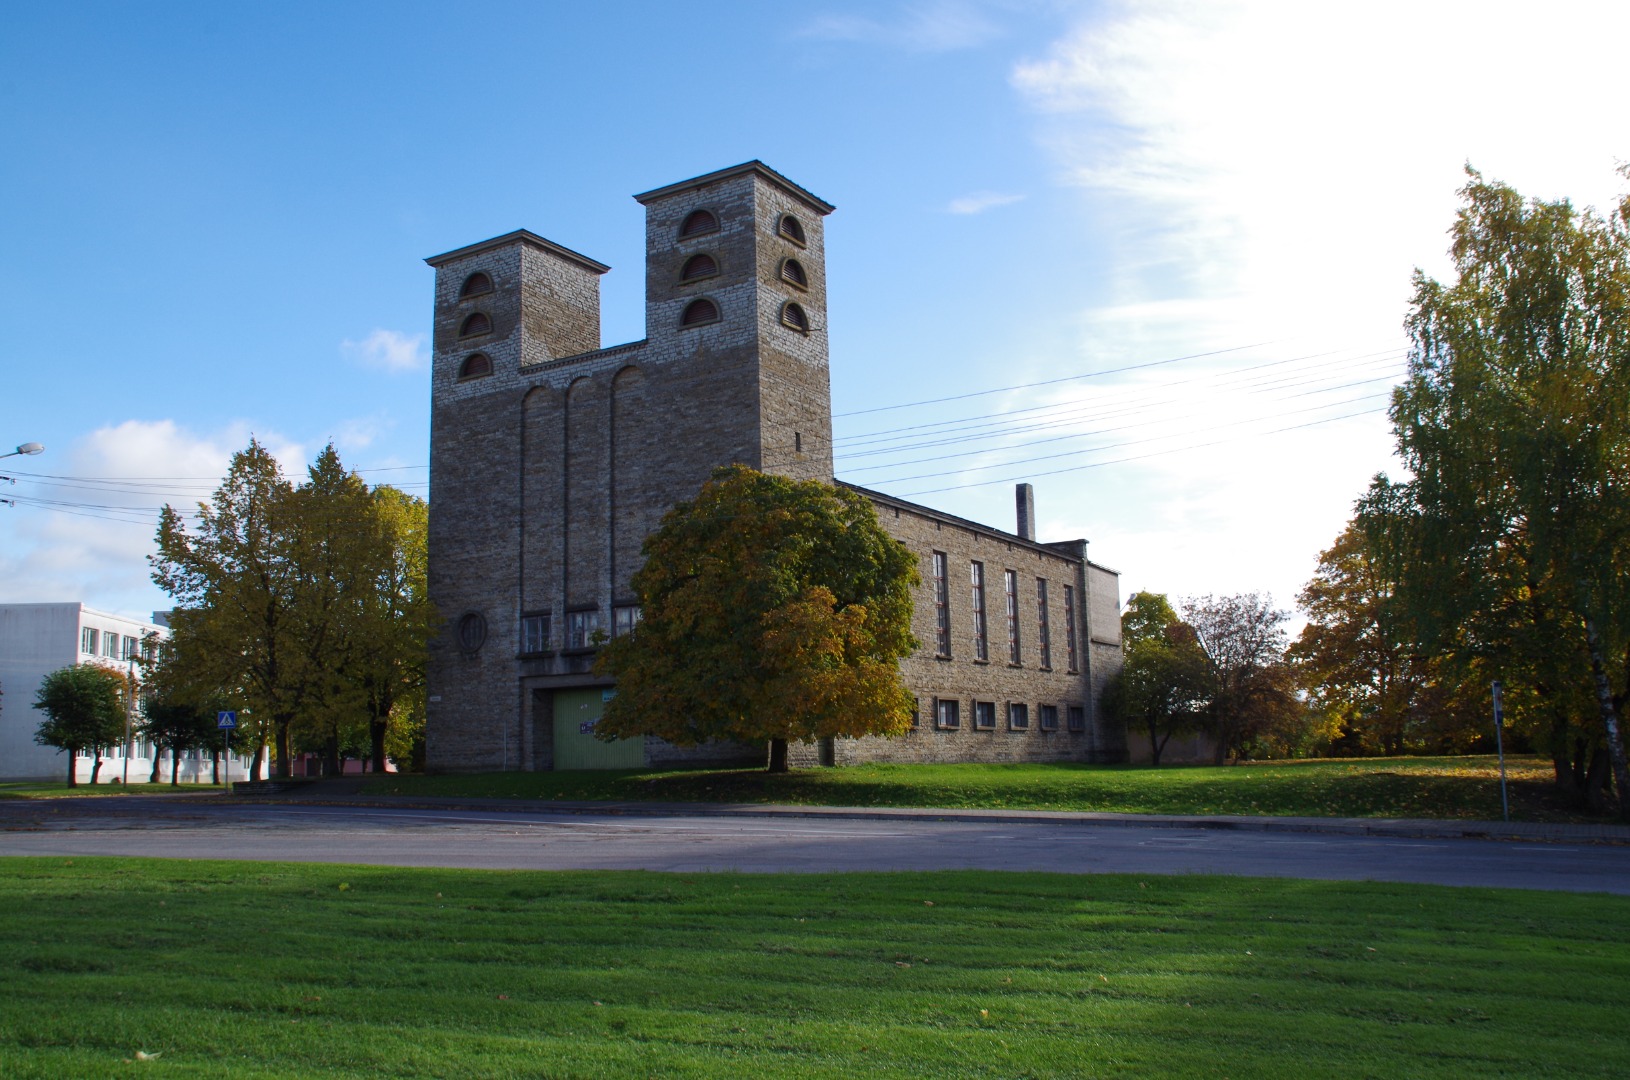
{"x": 226, "y": 969}
{"x": 1448, "y": 787}
{"x": 33, "y": 789}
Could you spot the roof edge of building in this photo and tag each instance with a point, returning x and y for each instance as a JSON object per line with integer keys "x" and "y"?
{"x": 804, "y": 195}
{"x": 520, "y": 236}
{"x": 1048, "y": 548}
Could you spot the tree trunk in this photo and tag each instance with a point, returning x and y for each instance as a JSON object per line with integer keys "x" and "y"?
{"x": 778, "y": 755}
{"x": 332, "y": 765}
{"x": 257, "y": 761}
{"x": 96, "y": 766}
{"x": 285, "y": 757}
{"x": 376, "y": 739}
{"x": 158, "y": 758}
{"x": 1560, "y": 765}
{"x": 215, "y": 767}
{"x": 73, "y": 773}
{"x": 175, "y": 766}
{"x": 1593, "y": 794}
{"x": 1610, "y": 718}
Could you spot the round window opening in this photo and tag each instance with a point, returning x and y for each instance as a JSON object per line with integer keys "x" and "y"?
{"x": 472, "y": 631}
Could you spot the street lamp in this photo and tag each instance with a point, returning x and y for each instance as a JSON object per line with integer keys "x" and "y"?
{"x": 30, "y": 448}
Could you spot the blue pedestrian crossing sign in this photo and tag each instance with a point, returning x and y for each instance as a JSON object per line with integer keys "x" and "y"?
{"x": 226, "y": 720}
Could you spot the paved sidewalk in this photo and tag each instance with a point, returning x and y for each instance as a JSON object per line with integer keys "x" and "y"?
{"x": 345, "y": 792}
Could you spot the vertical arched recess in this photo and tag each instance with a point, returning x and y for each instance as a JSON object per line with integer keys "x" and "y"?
{"x": 587, "y": 477}
{"x": 635, "y": 463}
{"x": 543, "y": 435}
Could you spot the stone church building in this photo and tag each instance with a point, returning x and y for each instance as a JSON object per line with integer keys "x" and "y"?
{"x": 552, "y": 458}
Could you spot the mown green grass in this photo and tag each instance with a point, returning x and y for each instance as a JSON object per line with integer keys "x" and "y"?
{"x": 241, "y": 970}
{"x": 1448, "y": 787}
{"x": 45, "y": 789}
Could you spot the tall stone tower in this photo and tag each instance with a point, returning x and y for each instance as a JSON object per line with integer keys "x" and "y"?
{"x": 552, "y": 459}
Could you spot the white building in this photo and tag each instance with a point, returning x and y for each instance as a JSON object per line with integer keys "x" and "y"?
{"x": 37, "y": 639}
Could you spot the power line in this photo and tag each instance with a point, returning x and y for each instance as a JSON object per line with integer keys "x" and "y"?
{"x": 1141, "y": 457}
{"x": 1051, "y": 382}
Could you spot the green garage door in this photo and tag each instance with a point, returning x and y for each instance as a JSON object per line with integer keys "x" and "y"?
{"x": 576, "y": 713}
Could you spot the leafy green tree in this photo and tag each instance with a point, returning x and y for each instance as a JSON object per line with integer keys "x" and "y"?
{"x": 1243, "y": 640}
{"x": 397, "y": 623}
{"x": 305, "y": 606}
{"x": 176, "y": 726}
{"x": 1148, "y": 617}
{"x": 84, "y": 710}
{"x": 772, "y": 610}
{"x": 235, "y": 630}
{"x": 1162, "y": 687}
{"x": 1358, "y": 655}
{"x": 1515, "y": 423}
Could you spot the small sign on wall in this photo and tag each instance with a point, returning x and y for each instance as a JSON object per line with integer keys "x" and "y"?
{"x": 587, "y": 727}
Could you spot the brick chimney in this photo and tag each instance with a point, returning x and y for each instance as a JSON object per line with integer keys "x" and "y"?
{"x": 1024, "y": 499}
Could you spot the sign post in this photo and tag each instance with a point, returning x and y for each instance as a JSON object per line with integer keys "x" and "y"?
{"x": 1499, "y": 747}
{"x": 227, "y": 720}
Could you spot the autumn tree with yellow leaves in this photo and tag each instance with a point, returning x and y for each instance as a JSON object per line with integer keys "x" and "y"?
{"x": 773, "y": 611}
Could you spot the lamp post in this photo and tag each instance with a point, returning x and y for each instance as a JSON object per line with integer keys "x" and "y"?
{"x": 29, "y": 448}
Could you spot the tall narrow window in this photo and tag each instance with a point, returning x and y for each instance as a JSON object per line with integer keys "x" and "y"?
{"x": 110, "y": 645}
{"x": 581, "y": 627}
{"x": 1077, "y": 717}
{"x": 534, "y": 633}
{"x": 1069, "y": 626}
{"x": 624, "y": 618}
{"x": 1047, "y": 717}
{"x": 942, "y": 608}
{"x": 87, "y": 640}
{"x": 1011, "y": 578}
{"x": 1044, "y": 634}
{"x": 981, "y": 647}
{"x": 984, "y": 715}
{"x": 946, "y": 713}
{"x": 1018, "y": 716}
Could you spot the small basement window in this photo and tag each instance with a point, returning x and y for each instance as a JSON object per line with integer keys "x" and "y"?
{"x": 699, "y": 313}
{"x": 698, "y": 223}
{"x": 795, "y": 317}
{"x": 791, "y": 228}
{"x": 698, "y": 267}
{"x": 792, "y": 272}
{"x": 477, "y": 284}
{"x": 475, "y": 366}
{"x": 477, "y": 323}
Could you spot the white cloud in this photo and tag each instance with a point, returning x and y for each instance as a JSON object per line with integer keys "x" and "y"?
{"x": 980, "y": 201}
{"x": 1273, "y": 171}
{"x": 388, "y": 350}
{"x": 86, "y": 535}
{"x": 941, "y": 26}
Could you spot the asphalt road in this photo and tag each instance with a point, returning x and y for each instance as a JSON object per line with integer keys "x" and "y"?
{"x": 485, "y": 839}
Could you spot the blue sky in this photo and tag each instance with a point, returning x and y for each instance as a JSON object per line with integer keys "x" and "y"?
{"x": 216, "y": 217}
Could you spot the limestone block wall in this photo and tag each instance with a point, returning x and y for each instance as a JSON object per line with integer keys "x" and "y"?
{"x": 958, "y": 673}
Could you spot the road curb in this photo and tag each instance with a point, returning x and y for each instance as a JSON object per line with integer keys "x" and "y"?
{"x": 1414, "y": 828}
